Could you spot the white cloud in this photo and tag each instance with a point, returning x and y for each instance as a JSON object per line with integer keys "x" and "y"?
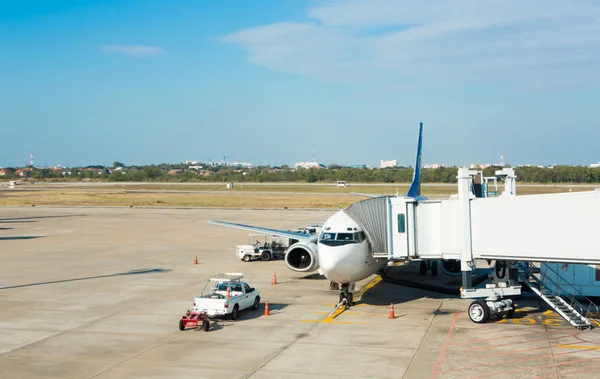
{"x": 133, "y": 50}
{"x": 431, "y": 41}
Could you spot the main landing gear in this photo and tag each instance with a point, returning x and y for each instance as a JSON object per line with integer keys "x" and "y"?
{"x": 428, "y": 265}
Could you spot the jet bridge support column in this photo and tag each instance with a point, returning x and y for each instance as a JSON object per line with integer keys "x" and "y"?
{"x": 464, "y": 195}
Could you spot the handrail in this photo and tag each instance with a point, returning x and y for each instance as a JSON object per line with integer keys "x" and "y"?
{"x": 576, "y": 292}
{"x": 559, "y": 290}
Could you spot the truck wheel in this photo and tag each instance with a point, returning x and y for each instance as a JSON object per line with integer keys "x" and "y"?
{"x": 256, "y": 302}
{"x": 181, "y": 326}
{"x": 206, "y": 325}
{"x": 234, "y": 312}
{"x": 246, "y": 258}
{"x": 265, "y": 256}
{"x": 423, "y": 268}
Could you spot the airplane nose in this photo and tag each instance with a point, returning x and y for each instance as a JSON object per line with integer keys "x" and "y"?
{"x": 331, "y": 264}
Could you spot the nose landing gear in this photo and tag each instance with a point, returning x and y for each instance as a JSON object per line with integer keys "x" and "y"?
{"x": 346, "y": 294}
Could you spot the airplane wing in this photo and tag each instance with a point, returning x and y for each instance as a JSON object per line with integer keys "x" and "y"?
{"x": 282, "y": 233}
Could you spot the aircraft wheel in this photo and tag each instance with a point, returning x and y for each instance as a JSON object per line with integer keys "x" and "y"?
{"x": 350, "y": 300}
{"x": 342, "y": 297}
{"x": 479, "y": 312}
{"x": 423, "y": 268}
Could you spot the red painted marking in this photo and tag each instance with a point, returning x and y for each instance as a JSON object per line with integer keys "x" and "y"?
{"x": 516, "y": 343}
{"x": 532, "y": 367}
{"x": 446, "y": 343}
{"x": 570, "y": 372}
{"x": 468, "y": 342}
{"x": 516, "y": 360}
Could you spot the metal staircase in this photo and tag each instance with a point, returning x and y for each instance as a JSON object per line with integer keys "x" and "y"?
{"x": 559, "y": 296}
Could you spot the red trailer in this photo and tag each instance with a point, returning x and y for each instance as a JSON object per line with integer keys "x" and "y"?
{"x": 194, "y": 319}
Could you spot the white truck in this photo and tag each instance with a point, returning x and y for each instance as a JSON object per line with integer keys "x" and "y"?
{"x": 226, "y": 295}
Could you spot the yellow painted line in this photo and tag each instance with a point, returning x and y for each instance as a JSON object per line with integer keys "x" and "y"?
{"x": 594, "y": 347}
{"x": 348, "y": 313}
{"x": 369, "y": 285}
{"x": 335, "y": 314}
{"x": 336, "y": 322}
{"x": 354, "y": 306}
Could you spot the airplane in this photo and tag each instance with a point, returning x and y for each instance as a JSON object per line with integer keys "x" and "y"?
{"x": 342, "y": 252}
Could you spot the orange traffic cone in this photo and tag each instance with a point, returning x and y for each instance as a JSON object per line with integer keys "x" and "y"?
{"x": 267, "y": 308}
{"x": 392, "y": 315}
{"x": 195, "y": 259}
{"x": 228, "y": 293}
{"x": 274, "y": 281}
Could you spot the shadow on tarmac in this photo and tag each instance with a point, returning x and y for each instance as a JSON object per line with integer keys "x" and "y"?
{"x": 384, "y": 293}
{"x": 31, "y": 218}
{"x": 20, "y": 238}
{"x": 132, "y": 272}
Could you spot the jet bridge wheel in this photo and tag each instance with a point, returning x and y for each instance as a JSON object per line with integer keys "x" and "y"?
{"x": 507, "y": 314}
{"x": 479, "y": 312}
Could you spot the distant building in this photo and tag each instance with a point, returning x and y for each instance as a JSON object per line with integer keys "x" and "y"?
{"x": 434, "y": 165}
{"x": 479, "y": 166}
{"x": 195, "y": 167}
{"x": 309, "y": 165}
{"x": 191, "y": 162}
{"x": 385, "y": 164}
{"x": 533, "y": 165}
{"x": 3, "y": 172}
{"x": 595, "y": 165}
{"x": 174, "y": 172}
{"x": 241, "y": 164}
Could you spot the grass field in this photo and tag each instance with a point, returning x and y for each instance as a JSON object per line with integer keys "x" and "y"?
{"x": 215, "y": 195}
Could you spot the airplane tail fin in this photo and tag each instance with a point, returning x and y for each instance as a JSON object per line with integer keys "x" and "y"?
{"x": 415, "y": 186}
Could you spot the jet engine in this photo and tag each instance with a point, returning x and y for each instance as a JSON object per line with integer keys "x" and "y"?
{"x": 302, "y": 257}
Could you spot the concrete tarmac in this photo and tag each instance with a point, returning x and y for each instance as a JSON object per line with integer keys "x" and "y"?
{"x": 98, "y": 292}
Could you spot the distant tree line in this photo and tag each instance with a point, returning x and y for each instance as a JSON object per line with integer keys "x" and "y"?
{"x": 181, "y": 173}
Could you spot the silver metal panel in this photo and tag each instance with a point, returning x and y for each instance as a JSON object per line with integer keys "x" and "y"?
{"x": 371, "y": 215}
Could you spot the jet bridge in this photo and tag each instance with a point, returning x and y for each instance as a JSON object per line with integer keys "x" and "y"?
{"x": 514, "y": 231}
{"x": 557, "y": 228}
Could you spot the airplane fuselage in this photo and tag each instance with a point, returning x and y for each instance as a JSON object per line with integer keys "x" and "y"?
{"x": 344, "y": 251}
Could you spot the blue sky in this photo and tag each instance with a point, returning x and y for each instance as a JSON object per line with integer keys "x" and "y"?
{"x": 90, "y": 82}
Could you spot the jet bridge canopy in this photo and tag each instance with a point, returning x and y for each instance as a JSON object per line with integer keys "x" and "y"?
{"x": 542, "y": 228}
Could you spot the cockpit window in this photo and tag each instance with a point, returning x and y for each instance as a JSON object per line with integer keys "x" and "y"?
{"x": 339, "y": 239}
{"x": 345, "y": 237}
